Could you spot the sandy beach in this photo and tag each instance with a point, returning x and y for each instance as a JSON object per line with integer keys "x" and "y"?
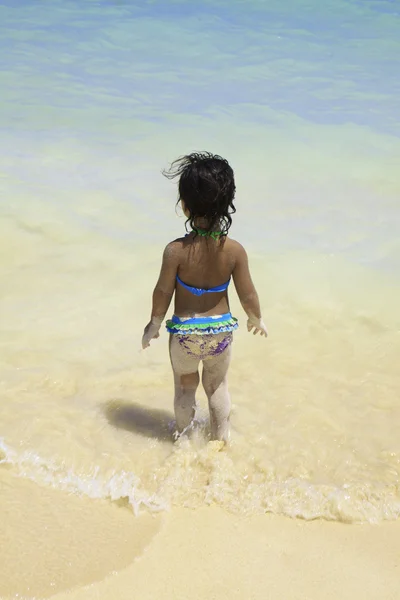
{"x": 104, "y": 552}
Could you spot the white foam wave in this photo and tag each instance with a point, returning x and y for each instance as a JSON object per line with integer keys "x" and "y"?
{"x": 197, "y": 475}
{"x": 117, "y": 486}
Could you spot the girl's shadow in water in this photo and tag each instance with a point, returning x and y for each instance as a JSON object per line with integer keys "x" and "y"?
{"x": 149, "y": 422}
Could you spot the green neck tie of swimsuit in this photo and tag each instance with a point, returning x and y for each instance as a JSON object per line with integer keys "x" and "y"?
{"x": 212, "y": 234}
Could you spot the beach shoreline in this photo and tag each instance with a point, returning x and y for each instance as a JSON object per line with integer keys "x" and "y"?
{"x": 104, "y": 551}
{"x": 210, "y": 554}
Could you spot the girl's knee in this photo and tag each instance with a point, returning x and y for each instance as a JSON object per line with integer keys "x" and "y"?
{"x": 190, "y": 381}
{"x": 215, "y": 383}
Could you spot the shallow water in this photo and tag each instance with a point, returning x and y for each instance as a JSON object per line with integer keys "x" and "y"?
{"x": 96, "y": 99}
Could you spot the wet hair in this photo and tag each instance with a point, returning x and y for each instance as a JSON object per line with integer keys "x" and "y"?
{"x": 207, "y": 187}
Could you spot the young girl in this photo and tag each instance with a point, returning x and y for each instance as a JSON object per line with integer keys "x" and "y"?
{"x": 198, "y": 268}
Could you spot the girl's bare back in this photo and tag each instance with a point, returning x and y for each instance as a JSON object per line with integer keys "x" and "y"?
{"x": 203, "y": 263}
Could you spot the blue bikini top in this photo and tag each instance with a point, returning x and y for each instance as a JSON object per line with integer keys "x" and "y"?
{"x": 200, "y": 291}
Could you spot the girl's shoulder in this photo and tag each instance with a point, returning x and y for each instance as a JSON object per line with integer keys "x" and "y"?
{"x": 234, "y": 246}
{"x": 175, "y": 247}
{"x": 178, "y": 245}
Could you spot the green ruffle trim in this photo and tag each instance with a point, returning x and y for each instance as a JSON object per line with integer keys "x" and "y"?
{"x": 202, "y": 328}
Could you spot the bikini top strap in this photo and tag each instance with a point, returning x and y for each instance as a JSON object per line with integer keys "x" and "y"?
{"x": 201, "y": 291}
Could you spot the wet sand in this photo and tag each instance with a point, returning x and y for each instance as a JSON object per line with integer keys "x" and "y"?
{"x": 104, "y": 552}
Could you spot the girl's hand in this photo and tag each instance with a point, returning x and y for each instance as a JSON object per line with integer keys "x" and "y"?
{"x": 151, "y": 332}
{"x": 258, "y": 326}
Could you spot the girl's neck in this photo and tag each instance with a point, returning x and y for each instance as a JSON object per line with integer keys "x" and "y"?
{"x": 204, "y": 224}
{"x": 201, "y": 223}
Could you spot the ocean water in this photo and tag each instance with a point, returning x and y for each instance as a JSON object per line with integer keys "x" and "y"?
{"x": 97, "y": 97}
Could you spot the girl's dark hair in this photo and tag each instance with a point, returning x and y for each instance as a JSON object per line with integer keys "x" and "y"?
{"x": 207, "y": 187}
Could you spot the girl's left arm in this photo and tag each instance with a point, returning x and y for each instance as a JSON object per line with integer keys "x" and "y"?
{"x": 163, "y": 292}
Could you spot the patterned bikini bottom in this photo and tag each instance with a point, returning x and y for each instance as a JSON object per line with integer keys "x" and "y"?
{"x": 204, "y": 347}
{"x": 203, "y": 337}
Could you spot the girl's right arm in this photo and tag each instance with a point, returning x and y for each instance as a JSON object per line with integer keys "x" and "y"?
{"x": 247, "y": 292}
{"x": 162, "y": 294}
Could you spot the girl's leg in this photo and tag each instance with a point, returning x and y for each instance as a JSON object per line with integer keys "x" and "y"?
{"x": 186, "y": 380}
{"x": 215, "y": 385}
